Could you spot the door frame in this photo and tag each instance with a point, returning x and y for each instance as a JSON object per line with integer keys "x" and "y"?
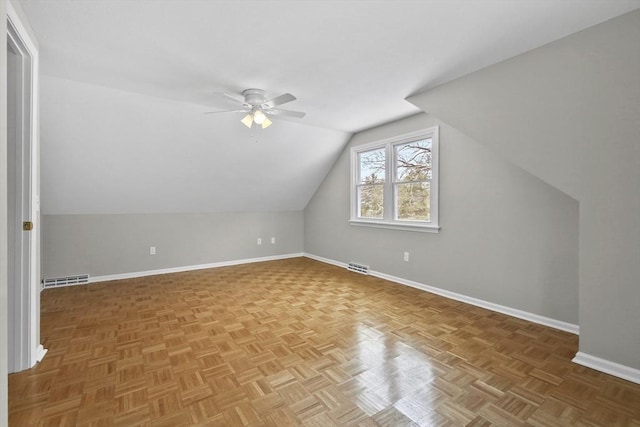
{"x": 25, "y": 349}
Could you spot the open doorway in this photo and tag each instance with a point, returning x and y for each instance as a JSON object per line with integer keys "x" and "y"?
{"x": 23, "y": 293}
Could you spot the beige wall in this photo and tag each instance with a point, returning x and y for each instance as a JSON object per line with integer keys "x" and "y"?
{"x": 506, "y": 238}
{"x": 569, "y": 113}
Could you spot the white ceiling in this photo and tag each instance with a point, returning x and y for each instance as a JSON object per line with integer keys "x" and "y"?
{"x": 350, "y": 63}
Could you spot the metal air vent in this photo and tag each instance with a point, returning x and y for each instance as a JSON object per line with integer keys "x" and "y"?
{"x": 358, "y": 268}
{"x": 55, "y": 282}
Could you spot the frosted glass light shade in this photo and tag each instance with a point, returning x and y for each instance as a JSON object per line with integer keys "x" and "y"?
{"x": 248, "y": 120}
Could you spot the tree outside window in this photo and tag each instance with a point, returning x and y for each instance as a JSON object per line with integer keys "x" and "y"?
{"x": 412, "y": 180}
{"x": 371, "y": 178}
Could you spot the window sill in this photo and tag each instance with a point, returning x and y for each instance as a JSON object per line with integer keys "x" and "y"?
{"x": 423, "y": 228}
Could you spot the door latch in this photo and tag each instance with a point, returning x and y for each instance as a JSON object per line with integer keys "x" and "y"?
{"x": 27, "y": 226}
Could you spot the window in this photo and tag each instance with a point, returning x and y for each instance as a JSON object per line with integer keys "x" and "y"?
{"x": 395, "y": 182}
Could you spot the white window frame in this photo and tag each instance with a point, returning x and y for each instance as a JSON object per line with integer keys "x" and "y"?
{"x": 390, "y": 205}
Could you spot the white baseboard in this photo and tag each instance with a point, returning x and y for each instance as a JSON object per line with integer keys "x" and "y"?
{"x": 520, "y": 314}
{"x": 326, "y": 260}
{"x": 133, "y": 275}
{"x": 608, "y": 367}
{"x": 581, "y": 358}
{"x": 514, "y": 312}
{"x": 39, "y": 354}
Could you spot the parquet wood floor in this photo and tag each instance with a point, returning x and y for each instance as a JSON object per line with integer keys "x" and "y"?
{"x": 298, "y": 342}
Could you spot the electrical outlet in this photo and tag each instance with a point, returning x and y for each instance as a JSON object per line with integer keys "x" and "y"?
{"x": 273, "y": 240}
{"x": 259, "y": 241}
{"x": 406, "y": 256}
{"x": 152, "y": 250}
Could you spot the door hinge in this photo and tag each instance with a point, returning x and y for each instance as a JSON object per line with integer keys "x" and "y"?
{"x": 27, "y": 226}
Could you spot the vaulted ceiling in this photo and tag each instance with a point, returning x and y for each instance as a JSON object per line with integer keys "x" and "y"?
{"x": 125, "y": 85}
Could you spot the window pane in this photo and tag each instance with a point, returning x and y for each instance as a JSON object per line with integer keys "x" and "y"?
{"x": 370, "y": 201}
{"x": 413, "y": 201}
{"x": 372, "y": 166}
{"x": 413, "y": 161}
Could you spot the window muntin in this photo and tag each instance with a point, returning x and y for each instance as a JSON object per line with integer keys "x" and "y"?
{"x": 395, "y": 182}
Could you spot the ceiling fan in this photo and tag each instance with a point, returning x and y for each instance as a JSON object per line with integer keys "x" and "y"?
{"x": 255, "y": 103}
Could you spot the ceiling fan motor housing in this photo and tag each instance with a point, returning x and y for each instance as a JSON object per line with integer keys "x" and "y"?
{"x": 254, "y": 96}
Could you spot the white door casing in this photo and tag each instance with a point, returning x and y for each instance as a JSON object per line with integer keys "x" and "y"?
{"x": 24, "y": 348}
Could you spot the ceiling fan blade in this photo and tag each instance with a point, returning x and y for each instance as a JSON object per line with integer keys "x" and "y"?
{"x": 234, "y": 97}
{"x": 289, "y": 113}
{"x": 228, "y": 111}
{"x": 278, "y": 100}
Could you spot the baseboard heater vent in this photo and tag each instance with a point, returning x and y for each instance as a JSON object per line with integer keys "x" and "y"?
{"x": 358, "y": 268}
{"x": 55, "y": 282}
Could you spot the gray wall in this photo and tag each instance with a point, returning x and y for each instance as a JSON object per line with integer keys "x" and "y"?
{"x": 117, "y": 244}
{"x": 507, "y": 237}
{"x": 569, "y": 113}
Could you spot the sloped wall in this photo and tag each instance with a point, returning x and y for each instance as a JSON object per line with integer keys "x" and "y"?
{"x": 569, "y": 113}
{"x": 506, "y": 238}
{"x": 109, "y": 151}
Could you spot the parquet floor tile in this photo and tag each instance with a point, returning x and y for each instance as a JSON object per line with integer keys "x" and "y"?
{"x": 301, "y": 343}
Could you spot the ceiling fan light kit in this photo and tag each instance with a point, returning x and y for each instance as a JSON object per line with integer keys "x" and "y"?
{"x": 258, "y": 118}
{"x": 255, "y": 103}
